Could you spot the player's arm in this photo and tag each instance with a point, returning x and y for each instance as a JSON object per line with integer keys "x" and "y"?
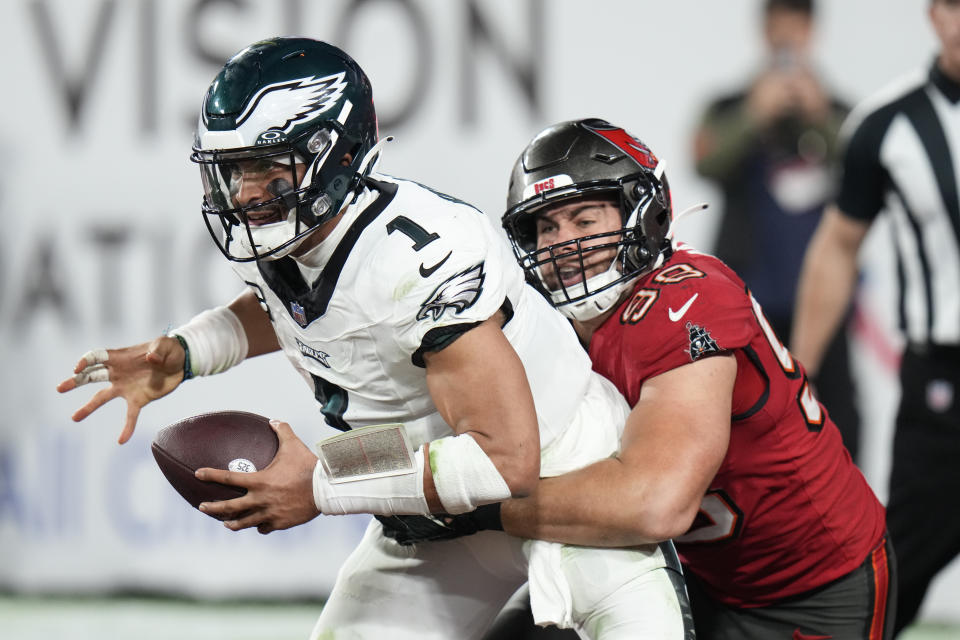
{"x": 673, "y": 443}
{"x": 826, "y": 285}
{"x": 257, "y": 328}
{"x": 479, "y": 386}
{"x": 145, "y": 372}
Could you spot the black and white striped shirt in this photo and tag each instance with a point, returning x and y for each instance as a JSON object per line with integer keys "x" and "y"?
{"x": 903, "y": 156}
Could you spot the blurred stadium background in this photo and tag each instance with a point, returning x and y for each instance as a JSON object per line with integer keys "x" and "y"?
{"x": 105, "y": 247}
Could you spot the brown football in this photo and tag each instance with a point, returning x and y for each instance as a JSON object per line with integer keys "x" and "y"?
{"x": 234, "y": 440}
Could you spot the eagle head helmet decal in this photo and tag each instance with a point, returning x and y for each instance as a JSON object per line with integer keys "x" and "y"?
{"x": 285, "y": 139}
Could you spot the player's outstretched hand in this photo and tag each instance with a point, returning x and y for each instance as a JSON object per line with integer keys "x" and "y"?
{"x": 279, "y": 497}
{"x": 139, "y": 374}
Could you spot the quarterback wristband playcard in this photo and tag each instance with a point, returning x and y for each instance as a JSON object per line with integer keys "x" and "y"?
{"x": 368, "y": 452}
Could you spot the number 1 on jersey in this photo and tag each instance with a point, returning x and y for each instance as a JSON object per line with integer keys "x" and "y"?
{"x": 420, "y": 236}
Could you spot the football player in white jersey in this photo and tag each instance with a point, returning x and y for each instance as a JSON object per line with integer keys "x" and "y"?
{"x": 397, "y": 305}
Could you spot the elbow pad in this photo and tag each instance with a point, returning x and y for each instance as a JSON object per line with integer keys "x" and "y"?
{"x": 464, "y": 475}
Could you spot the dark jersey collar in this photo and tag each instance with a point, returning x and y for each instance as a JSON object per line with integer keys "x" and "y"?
{"x": 303, "y": 302}
{"x": 947, "y": 85}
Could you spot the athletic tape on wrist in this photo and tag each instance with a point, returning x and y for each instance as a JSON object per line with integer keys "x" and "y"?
{"x": 215, "y": 341}
{"x": 398, "y": 494}
{"x": 463, "y": 474}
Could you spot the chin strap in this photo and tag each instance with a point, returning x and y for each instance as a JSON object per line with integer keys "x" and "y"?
{"x": 372, "y": 158}
{"x": 693, "y": 209}
{"x": 596, "y": 304}
{"x": 367, "y": 166}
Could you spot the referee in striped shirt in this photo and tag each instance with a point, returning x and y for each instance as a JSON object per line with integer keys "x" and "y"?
{"x": 903, "y": 156}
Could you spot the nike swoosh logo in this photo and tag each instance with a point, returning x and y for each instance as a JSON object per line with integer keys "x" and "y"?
{"x": 426, "y": 273}
{"x": 802, "y": 636}
{"x": 679, "y": 313}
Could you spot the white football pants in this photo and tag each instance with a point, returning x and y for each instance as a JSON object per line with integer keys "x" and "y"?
{"x": 453, "y": 589}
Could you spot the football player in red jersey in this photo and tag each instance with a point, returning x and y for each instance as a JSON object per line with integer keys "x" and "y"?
{"x": 726, "y": 450}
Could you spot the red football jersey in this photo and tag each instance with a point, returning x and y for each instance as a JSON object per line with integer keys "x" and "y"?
{"x": 788, "y": 511}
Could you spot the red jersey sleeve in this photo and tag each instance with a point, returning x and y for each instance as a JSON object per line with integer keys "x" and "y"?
{"x": 690, "y": 308}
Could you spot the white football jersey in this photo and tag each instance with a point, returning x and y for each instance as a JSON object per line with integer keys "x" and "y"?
{"x": 406, "y": 270}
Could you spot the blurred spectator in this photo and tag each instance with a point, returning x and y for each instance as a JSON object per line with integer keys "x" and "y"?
{"x": 770, "y": 147}
{"x": 901, "y": 156}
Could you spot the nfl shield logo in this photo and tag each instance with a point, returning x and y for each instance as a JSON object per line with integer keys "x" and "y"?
{"x": 297, "y": 311}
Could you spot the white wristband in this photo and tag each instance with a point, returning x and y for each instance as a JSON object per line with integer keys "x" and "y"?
{"x": 216, "y": 340}
{"x": 464, "y": 476}
{"x": 387, "y": 495}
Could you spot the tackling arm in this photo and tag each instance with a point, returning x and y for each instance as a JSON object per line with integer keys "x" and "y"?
{"x": 673, "y": 443}
{"x": 826, "y": 285}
